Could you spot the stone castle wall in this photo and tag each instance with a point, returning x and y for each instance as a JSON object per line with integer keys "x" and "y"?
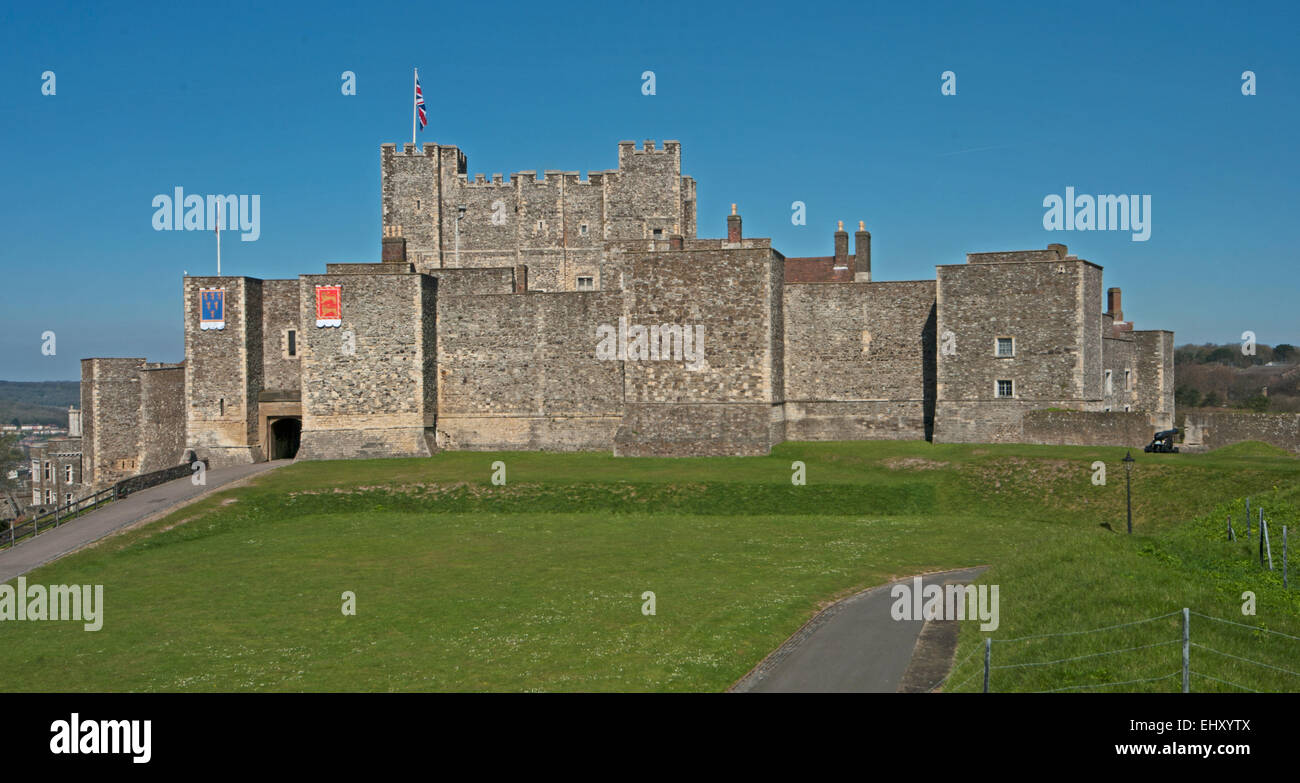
{"x": 1052, "y": 312}
{"x": 110, "y": 404}
{"x": 859, "y": 360}
{"x": 556, "y": 224}
{"x": 1087, "y": 428}
{"x": 162, "y": 416}
{"x": 519, "y": 371}
{"x": 364, "y": 382}
{"x": 1215, "y": 429}
{"x": 224, "y": 373}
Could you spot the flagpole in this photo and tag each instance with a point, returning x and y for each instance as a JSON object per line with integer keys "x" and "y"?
{"x": 220, "y": 209}
{"x": 415, "y": 109}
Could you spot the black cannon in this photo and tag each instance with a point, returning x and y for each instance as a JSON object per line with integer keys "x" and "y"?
{"x": 1162, "y": 443}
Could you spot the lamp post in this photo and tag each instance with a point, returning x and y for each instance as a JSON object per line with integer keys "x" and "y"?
{"x": 1128, "y": 487}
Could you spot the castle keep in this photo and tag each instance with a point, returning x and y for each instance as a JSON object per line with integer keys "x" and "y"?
{"x": 561, "y": 313}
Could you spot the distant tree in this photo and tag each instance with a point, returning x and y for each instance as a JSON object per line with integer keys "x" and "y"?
{"x": 1220, "y": 356}
{"x": 1187, "y": 397}
{"x": 1284, "y": 352}
{"x": 1212, "y": 400}
{"x": 1258, "y": 403}
{"x": 15, "y": 422}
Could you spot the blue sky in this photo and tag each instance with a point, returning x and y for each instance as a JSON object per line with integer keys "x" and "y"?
{"x": 837, "y": 105}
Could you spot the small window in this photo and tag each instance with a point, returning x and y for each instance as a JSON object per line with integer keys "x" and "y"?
{"x": 417, "y": 204}
{"x": 1006, "y": 346}
{"x": 1006, "y": 389}
{"x": 49, "y": 473}
{"x": 67, "y": 499}
{"x": 1110, "y": 385}
{"x": 582, "y": 229}
{"x": 541, "y": 225}
{"x": 1128, "y": 380}
{"x": 36, "y": 497}
{"x": 67, "y": 474}
{"x": 658, "y": 232}
{"x": 1128, "y": 408}
{"x": 49, "y": 496}
{"x": 292, "y": 342}
{"x": 586, "y": 284}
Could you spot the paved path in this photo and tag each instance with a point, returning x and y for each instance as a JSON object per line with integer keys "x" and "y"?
{"x": 853, "y": 646}
{"x": 56, "y": 543}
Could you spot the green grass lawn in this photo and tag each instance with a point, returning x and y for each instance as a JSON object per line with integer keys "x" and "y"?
{"x": 536, "y": 585}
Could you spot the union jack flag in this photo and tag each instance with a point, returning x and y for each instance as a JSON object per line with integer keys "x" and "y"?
{"x": 419, "y": 103}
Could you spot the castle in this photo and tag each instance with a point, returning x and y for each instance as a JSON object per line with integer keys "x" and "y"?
{"x": 558, "y": 313}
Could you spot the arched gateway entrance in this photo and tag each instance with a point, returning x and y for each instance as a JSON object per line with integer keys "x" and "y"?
{"x": 285, "y": 434}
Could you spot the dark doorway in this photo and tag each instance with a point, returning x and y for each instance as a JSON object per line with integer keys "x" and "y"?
{"x": 285, "y": 434}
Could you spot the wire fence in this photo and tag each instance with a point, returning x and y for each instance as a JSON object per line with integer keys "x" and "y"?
{"x": 1200, "y": 660}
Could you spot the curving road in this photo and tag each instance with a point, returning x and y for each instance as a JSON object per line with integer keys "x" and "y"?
{"x": 853, "y": 646}
{"x": 136, "y": 507}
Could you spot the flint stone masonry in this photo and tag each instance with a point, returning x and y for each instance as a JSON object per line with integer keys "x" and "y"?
{"x": 368, "y": 385}
{"x": 860, "y": 360}
{"x": 1087, "y": 428}
{"x": 224, "y": 373}
{"x": 555, "y": 224}
{"x": 1216, "y": 429}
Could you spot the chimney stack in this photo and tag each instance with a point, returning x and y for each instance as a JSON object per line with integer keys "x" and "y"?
{"x": 393, "y": 250}
{"x": 841, "y": 246}
{"x": 675, "y": 242}
{"x": 733, "y": 225}
{"x": 862, "y": 262}
{"x": 1113, "y": 307}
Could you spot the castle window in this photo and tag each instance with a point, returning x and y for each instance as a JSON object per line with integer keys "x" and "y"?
{"x": 1006, "y": 347}
{"x": 1128, "y": 408}
{"x": 291, "y": 343}
{"x": 1110, "y": 384}
{"x": 1128, "y": 380}
{"x": 1006, "y": 388}
{"x": 48, "y": 472}
{"x": 582, "y": 229}
{"x": 658, "y": 232}
{"x": 67, "y": 474}
{"x": 49, "y": 496}
{"x": 586, "y": 284}
{"x": 541, "y": 226}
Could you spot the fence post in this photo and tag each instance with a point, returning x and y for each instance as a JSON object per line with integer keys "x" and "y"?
{"x": 1284, "y": 584}
{"x": 1261, "y": 543}
{"x": 1268, "y": 545}
{"x": 1247, "y": 519}
{"x": 1232, "y": 535}
{"x": 1187, "y": 650}
{"x": 988, "y": 653}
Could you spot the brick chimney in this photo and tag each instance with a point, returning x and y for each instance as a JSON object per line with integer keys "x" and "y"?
{"x": 1060, "y": 250}
{"x": 862, "y": 248}
{"x": 675, "y": 242}
{"x": 1113, "y": 308}
{"x": 841, "y": 246}
{"x": 394, "y": 250}
{"x": 733, "y": 225}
